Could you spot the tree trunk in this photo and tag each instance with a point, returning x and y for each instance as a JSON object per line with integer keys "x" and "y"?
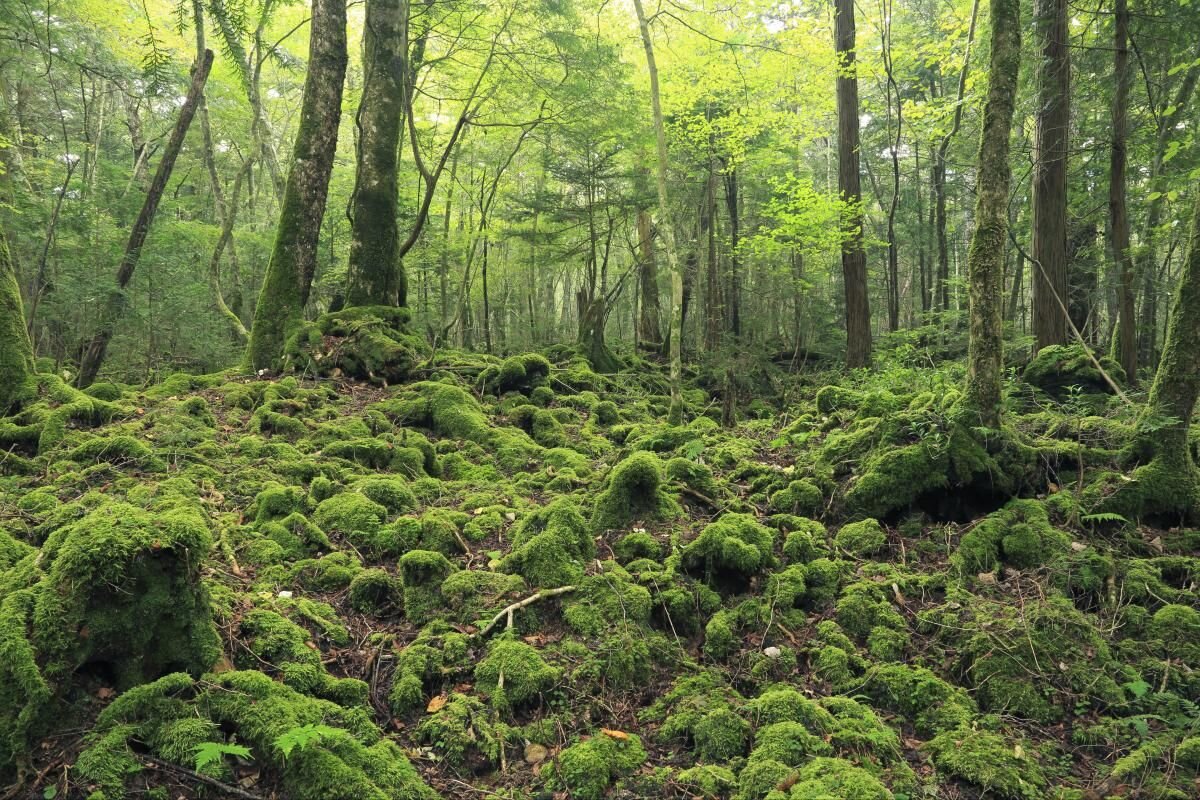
{"x": 293, "y": 261}
{"x": 375, "y": 275}
{"x": 938, "y": 175}
{"x": 649, "y": 330}
{"x": 733, "y": 205}
{"x": 854, "y": 258}
{"x": 16, "y": 350}
{"x": 985, "y": 260}
{"x": 712, "y": 276}
{"x": 1169, "y": 483}
{"x": 1118, "y": 213}
{"x": 97, "y": 348}
{"x": 668, "y": 231}
{"x": 1049, "y": 245}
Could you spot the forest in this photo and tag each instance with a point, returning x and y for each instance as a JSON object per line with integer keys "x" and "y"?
{"x": 584, "y": 399}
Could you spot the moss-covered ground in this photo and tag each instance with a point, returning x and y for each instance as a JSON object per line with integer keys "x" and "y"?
{"x": 512, "y": 578}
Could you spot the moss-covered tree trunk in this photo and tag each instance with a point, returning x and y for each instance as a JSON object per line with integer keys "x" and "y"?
{"x": 16, "y": 351}
{"x": 854, "y": 257}
{"x": 95, "y": 351}
{"x": 375, "y": 276}
{"x": 1117, "y": 210}
{"x": 294, "y": 256}
{"x": 985, "y": 259}
{"x": 1170, "y": 483}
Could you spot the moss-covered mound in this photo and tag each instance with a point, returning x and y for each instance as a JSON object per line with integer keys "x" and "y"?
{"x": 513, "y": 577}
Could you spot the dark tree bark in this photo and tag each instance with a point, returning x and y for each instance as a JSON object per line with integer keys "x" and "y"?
{"x": 16, "y": 351}
{"x": 1049, "y": 245}
{"x": 733, "y": 301}
{"x": 854, "y": 258}
{"x": 97, "y": 348}
{"x": 293, "y": 261}
{"x": 375, "y": 276}
{"x": 649, "y": 313}
{"x": 985, "y": 260}
{"x": 1118, "y": 213}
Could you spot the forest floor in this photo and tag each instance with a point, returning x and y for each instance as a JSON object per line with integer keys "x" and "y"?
{"x": 514, "y": 579}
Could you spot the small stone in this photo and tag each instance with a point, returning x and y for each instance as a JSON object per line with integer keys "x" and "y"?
{"x": 771, "y": 652}
{"x": 535, "y": 753}
{"x": 986, "y": 578}
{"x": 285, "y": 594}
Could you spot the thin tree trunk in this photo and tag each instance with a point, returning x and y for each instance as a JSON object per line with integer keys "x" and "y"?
{"x": 938, "y": 173}
{"x": 293, "y": 261}
{"x": 733, "y": 206}
{"x": 985, "y": 261}
{"x": 1118, "y": 213}
{"x": 96, "y": 349}
{"x": 854, "y": 258}
{"x": 668, "y": 231}
{"x": 1049, "y": 245}
{"x": 649, "y": 331}
{"x": 374, "y": 274}
{"x": 893, "y": 254}
{"x": 16, "y": 350}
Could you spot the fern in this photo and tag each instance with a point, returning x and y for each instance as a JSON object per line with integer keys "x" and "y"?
{"x": 212, "y": 752}
{"x": 302, "y": 737}
{"x": 1103, "y": 516}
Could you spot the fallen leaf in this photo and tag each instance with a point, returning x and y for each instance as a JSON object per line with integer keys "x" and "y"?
{"x": 436, "y": 704}
{"x": 620, "y": 736}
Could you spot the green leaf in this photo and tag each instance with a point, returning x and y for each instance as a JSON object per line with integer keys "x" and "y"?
{"x": 1137, "y": 688}
{"x": 302, "y": 737}
{"x": 50, "y": 792}
{"x": 212, "y": 752}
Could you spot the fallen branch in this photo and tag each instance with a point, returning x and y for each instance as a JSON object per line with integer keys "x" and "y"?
{"x": 517, "y": 606}
{"x": 213, "y": 782}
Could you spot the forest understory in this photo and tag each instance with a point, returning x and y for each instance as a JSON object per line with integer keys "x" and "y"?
{"x": 512, "y": 578}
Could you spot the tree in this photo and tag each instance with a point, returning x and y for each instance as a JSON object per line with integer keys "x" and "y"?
{"x": 1049, "y": 243}
{"x": 1168, "y": 482}
{"x": 375, "y": 276}
{"x": 96, "y": 349}
{"x": 293, "y": 261}
{"x": 16, "y": 351}
{"x": 985, "y": 259}
{"x": 1127, "y": 350}
{"x": 648, "y": 330}
{"x": 668, "y": 233}
{"x": 854, "y": 257}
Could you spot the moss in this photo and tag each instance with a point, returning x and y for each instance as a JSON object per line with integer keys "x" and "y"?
{"x": 277, "y": 501}
{"x": 551, "y": 545}
{"x": 606, "y": 413}
{"x": 128, "y": 577}
{"x": 369, "y": 343}
{"x": 513, "y": 673}
{"x": 462, "y": 733}
{"x": 357, "y": 518}
{"x": 1058, "y": 367}
{"x": 470, "y": 593}
{"x": 607, "y": 601}
{"x": 694, "y": 475}
{"x": 762, "y": 777}
{"x": 1177, "y": 629}
{"x": 787, "y": 743}
{"x": 719, "y": 640}
{"x": 730, "y": 551}
{"x": 356, "y": 763}
{"x": 786, "y": 704}
{"x": 119, "y": 451}
{"x": 720, "y": 735}
{"x": 589, "y": 767}
{"x": 861, "y": 539}
{"x": 638, "y": 544}
{"x": 423, "y": 572}
{"x": 798, "y": 497}
{"x": 836, "y": 778}
{"x": 865, "y": 605}
{"x": 786, "y": 589}
{"x": 707, "y": 781}
{"x": 989, "y": 761}
{"x": 633, "y": 492}
{"x": 375, "y": 591}
{"x": 1020, "y": 535}
{"x": 932, "y": 704}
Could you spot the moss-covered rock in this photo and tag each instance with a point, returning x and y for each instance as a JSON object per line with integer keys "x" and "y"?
{"x": 589, "y": 767}
{"x": 730, "y": 551}
{"x": 861, "y": 539}
{"x": 1057, "y": 368}
{"x": 990, "y": 761}
{"x": 633, "y": 491}
{"x": 513, "y": 673}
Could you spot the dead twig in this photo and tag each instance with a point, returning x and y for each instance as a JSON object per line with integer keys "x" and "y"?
{"x": 517, "y": 606}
